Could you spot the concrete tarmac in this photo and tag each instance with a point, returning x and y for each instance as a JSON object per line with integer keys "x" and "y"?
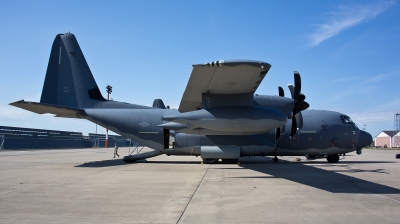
{"x": 90, "y": 186}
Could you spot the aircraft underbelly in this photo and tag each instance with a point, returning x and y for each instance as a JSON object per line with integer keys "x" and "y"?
{"x": 309, "y": 151}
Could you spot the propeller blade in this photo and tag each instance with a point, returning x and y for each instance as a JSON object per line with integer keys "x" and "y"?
{"x": 302, "y": 97}
{"x": 299, "y": 120}
{"x": 294, "y": 127}
{"x": 277, "y": 133}
{"x": 281, "y": 92}
{"x": 300, "y": 106}
{"x": 291, "y": 88}
{"x": 297, "y": 85}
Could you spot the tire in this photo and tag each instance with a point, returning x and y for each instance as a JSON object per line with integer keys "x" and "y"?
{"x": 230, "y": 161}
{"x": 333, "y": 158}
{"x": 397, "y": 156}
{"x": 210, "y": 161}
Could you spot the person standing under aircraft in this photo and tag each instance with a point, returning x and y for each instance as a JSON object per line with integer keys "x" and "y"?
{"x": 116, "y": 150}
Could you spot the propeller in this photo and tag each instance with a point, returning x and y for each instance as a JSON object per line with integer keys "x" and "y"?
{"x": 299, "y": 104}
{"x": 278, "y": 130}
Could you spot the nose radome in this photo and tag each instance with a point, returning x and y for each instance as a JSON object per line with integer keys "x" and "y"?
{"x": 364, "y": 139}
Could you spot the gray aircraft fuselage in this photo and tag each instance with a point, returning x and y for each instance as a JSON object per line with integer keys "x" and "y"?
{"x": 224, "y": 126}
{"x": 323, "y": 133}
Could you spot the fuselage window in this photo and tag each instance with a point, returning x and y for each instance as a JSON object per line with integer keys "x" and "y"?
{"x": 346, "y": 119}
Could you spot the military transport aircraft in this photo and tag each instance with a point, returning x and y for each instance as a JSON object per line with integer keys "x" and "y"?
{"x": 219, "y": 116}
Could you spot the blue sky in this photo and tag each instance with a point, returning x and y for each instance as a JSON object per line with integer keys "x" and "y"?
{"x": 347, "y": 52}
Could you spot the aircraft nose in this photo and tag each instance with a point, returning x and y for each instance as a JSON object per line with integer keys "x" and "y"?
{"x": 364, "y": 139}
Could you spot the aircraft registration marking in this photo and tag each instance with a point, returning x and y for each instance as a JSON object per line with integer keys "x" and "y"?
{"x": 309, "y": 132}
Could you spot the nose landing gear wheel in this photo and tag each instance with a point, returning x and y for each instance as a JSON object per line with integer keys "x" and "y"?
{"x": 210, "y": 161}
{"x": 275, "y": 159}
{"x": 333, "y": 158}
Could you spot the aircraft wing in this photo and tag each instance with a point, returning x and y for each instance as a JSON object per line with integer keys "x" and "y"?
{"x": 222, "y": 77}
{"x": 42, "y": 108}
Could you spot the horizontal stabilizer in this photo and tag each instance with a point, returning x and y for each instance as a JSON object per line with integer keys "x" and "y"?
{"x": 42, "y": 108}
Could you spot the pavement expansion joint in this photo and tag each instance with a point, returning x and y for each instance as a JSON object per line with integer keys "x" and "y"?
{"x": 201, "y": 181}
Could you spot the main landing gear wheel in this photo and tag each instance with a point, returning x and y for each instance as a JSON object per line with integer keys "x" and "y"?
{"x": 275, "y": 159}
{"x": 230, "y": 161}
{"x": 210, "y": 161}
{"x": 333, "y": 158}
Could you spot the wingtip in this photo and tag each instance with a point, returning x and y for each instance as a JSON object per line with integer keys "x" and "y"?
{"x": 19, "y": 101}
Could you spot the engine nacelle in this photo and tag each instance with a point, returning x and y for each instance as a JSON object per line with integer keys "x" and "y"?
{"x": 248, "y": 119}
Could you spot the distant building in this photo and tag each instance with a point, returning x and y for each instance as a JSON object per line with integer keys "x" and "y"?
{"x": 396, "y": 140}
{"x": 30, "y": 138}
{"x": 389, "y": 138}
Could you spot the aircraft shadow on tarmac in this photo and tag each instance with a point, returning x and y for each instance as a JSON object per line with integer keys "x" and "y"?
{"x": 328, "y": 180}
{"x": 120, "y": 162}
{"x": 307, "y": 173}
{"x": 103, "y": 163}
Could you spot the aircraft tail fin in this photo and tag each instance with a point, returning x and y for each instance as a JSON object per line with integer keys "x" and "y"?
{"x": 69, "y": 81}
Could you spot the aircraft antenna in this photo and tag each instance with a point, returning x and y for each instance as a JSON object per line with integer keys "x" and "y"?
{"x": 109, "y": 91}
{"x": 396, "y": 137}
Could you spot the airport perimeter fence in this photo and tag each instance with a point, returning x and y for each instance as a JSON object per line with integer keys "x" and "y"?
{"x": 1, "y": 141}
{"x": 29, "y": 138}
{"x": 99, "y": 140}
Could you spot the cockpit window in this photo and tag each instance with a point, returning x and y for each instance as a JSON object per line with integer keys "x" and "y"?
{"x": 346, "y": 119}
